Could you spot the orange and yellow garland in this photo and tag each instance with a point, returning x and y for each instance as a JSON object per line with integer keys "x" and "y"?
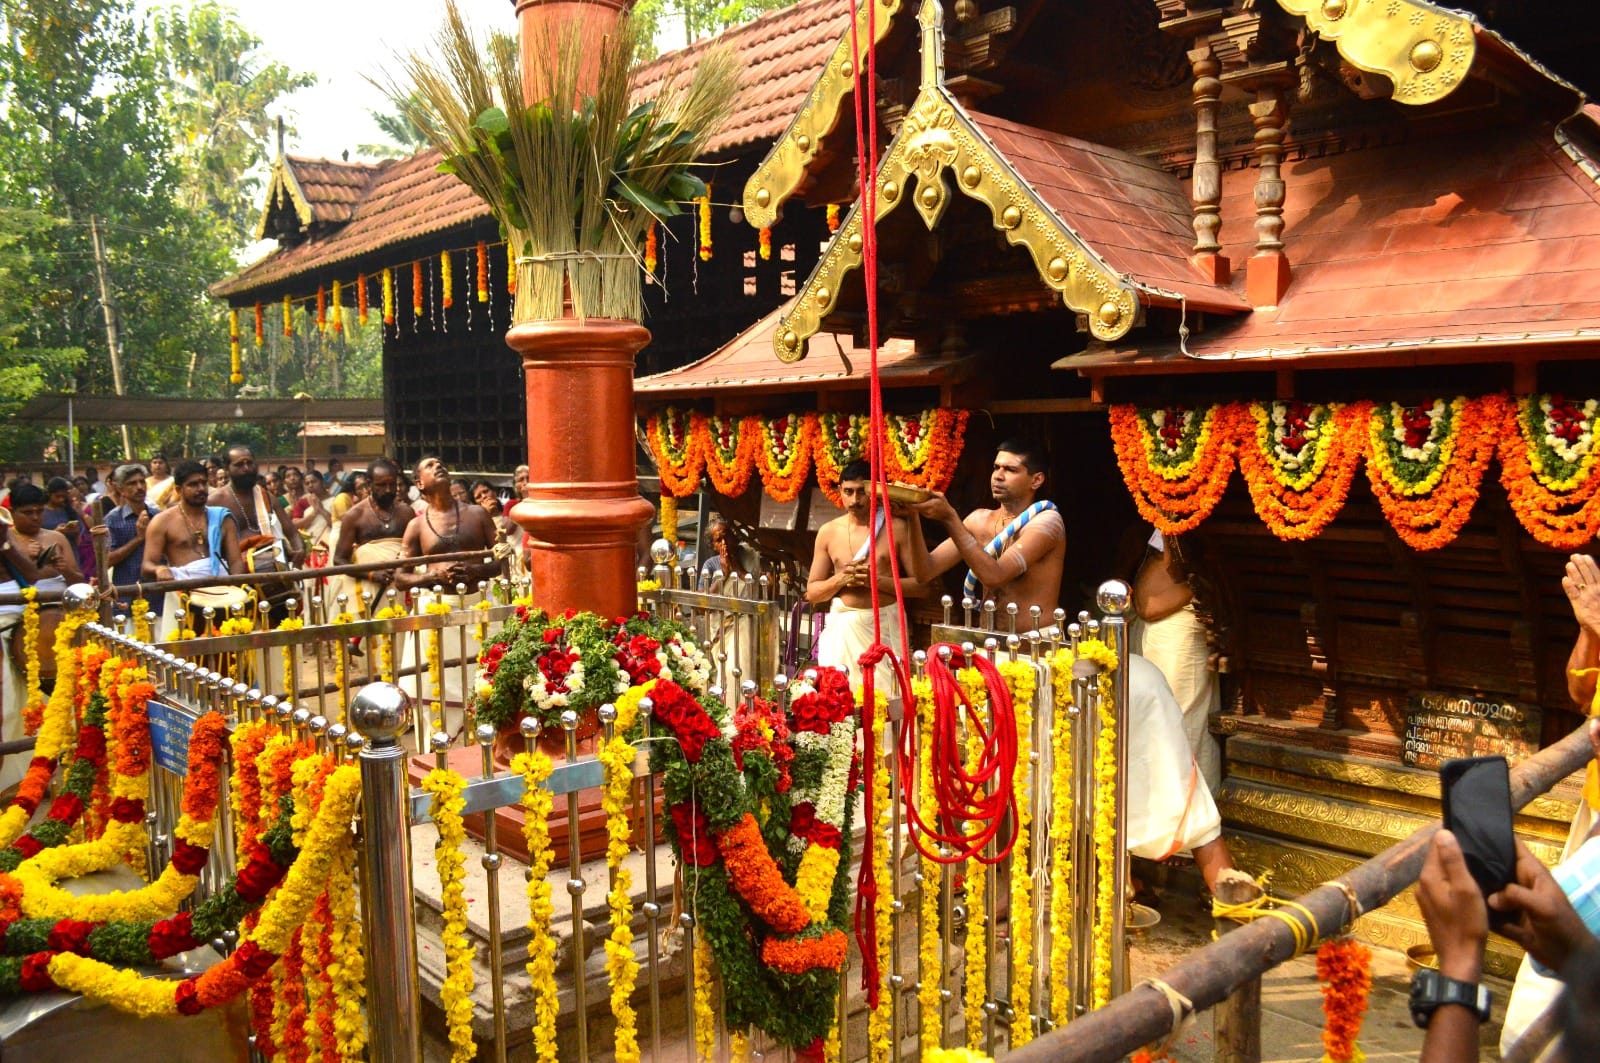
{"x": 921, "y": 450}
{"x": 1428, "y": 501}
{"x": 1297, "y": 504}
{"x": 1175, "y": 461}
{"x": 1557, "y": 500}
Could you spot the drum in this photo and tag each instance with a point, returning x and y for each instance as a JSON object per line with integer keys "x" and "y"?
{"x": 263, "y": 553}
{"x": 49, "y": 620}
{"x": 221, "y": 602}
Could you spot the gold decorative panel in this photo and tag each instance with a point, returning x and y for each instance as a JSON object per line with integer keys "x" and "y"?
{"x": 784, "y": 168}
{"x": 1424, "y": 49}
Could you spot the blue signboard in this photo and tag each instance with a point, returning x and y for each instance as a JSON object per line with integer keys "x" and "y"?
{"x": 170, "y": 728}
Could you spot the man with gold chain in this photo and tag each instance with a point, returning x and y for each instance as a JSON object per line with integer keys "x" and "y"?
{"x": 371, "y": 530}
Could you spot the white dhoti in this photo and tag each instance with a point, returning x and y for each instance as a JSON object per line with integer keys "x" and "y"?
{"x": 353, "y": 588}
{"x": 458, "y": 681}
{"x": 1169, "y": 808}
{"x": 848, "y": 634}
{"x": 1177, "y": 645}
{"x": 172, "y": 610}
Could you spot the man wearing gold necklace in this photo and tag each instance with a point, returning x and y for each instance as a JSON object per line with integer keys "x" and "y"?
{"x": 188, "y": 541}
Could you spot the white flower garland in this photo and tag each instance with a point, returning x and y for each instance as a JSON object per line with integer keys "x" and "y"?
{"x": 830, "y": 795}
{"x": 1573, "y": 452}
{"x": 1424, "y": 453}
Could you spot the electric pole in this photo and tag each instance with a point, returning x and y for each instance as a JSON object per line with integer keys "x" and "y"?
{"x": 113, "y": 333}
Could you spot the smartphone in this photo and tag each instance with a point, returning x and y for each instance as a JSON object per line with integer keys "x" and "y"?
{"x": 1476, "y": 795}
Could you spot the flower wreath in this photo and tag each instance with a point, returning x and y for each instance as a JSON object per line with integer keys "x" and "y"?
{"x": 1548, "y": 467}
{"x": 1299, "y": 461}
{"x": 1175, "y": 460}
{"x": 756, "y": 858}
{"x": 784, "y": 457}
{"x": 1426, "y": 464}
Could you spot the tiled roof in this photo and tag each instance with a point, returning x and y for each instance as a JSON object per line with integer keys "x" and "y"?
{"x": 332, "y": 188}
{"x": 747, "y": 364}
{"x": 1129, "y": 211}
{"x": 1484, "y": 240}
{"x": 779, "y": 54}
{"x": 408, "y": 199}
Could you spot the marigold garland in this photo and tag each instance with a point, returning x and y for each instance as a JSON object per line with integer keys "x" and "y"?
{"x": 784, "y": 457}
{"x": 33, "y": 691}
{"x": 1105, "y": 819}
{"x": 731, "y": 444}
{"x": 234, "y": 374}
{"x": 447, "y": 282}
{"x": 338, "y": 306}
{"x": 416, "y": 288}
{"x": 705, "y": 1019}
{"x": 977, "y": 872}
{"x": 535, "y": 767}
{"x": 1176, "y": 461}
{"x": 362, "y": 297}
{"x": 616, "y": 756}
{"x": 1022, "y": 681}
{"x": 703, "y": 209}
{"x": 482, "y": 271}
{"x": 55, "y": 734}
{"x": 923, "y": 450}
{"x": 455, "y": 994}
{"x": 840, "y": 439}
{"x": 833, "y": 217}
{"x": 322, "y": 309}
{"x": 385, "y": 643}
{"x": 651, "y": 251}
{"x": 1344, "y": 969}
{"x": 347, "y": 973}
{"x": 261, "y": 326}
{"x": 1061, "y": 818}
{"x": 1556, "y": 500}
{"x": 436, "y": 662}
{"x": 388, "y": 295}
{"x": 1427, "y": 491}
{"x": 677, "y": 443}
{"x": 880, "y": 1031}
{"x": 930, "y": 945}
{"x": 77, "y": 789}
{"x": 764, "y": 243}
{"x": 140, "y": 611}
{"x": 1299, "y": 504}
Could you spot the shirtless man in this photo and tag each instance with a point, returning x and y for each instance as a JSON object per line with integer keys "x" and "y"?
{"x": 372, "y": 530}
{"x": 840, "y": 571}
{"x": 1027, "y": 569}
{"x": 189, "y": 540}
{"x": 255, "y": 511}
{"x": 445, "y": 526}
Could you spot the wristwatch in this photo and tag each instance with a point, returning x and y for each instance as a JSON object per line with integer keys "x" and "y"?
{"x": 1430, "y": 990}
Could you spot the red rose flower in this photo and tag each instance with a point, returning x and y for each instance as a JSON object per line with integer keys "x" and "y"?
{"x": 187, "y": 998}
{"x": 92, "y": 744}
{"x": 569, "y": 614}
{"x": 127, "y": 810}
{"x": 522, "y": 613}
{"x": 683, "y": 716}
{"x": 28, "y": 846}
{"x": 70, "y": 935}
{"x": 187, "y": 858}
{"x": 834, "y": 682}
{"x": 694, "y": 834}
{"x": 256, "y": 879}
{"x": 552, "y": 635}
{"x": 35, "y": 974}
{"x": 66, "y": 807}
{"x": 172, "y": 935}
{"x": 254, "y": 961}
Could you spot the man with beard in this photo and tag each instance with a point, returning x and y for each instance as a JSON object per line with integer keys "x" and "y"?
{"x": 190, "y": 540}
{"x": 840, "y": 570}
{"x": 267, "y": 540}
{"x": 371, "y": 530}
{"x": 444, "y": 526}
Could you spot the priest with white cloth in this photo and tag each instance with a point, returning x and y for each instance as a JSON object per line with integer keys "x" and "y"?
{"x": 840, "y": 574}
{"x": 188, "y": 541}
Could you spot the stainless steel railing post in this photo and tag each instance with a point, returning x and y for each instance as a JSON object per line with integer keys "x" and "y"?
{"x": 1114, "y": 599}
{"x": 380, "y": 713}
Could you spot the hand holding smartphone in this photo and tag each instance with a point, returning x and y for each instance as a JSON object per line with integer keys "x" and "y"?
{"x": 1476, "y": 795}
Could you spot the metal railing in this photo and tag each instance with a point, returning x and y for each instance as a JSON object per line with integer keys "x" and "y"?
{"x": 380, "y": 712}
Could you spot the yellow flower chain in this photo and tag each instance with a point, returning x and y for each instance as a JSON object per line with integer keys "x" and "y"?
{"x": 33, "y": 700}
{"x": 1021, "y": 680}
{"x": 339, "y": 688}
{"x": 483, "y": 606}
{"x": 135, "y": 994}
{"x": 535, "y": 768}
{"x": 879, "y": 1030}
{"x": 348, "y": 970}
{"x": 140, "y": 611}
{"x": 1061, "y": 838}
{"x": 55, "y": 733}
{"x": 436, "y": 662}
{"x": 617, "y": 756}
{"x": 930, "y": 946}
{"x": 738, "y": 1046}
{"x": 977, "y": 965}
{"x": 289, "y": 623}
{"x": 455, "y": 995}
{"x": 1105, "y": 819}
{"x": 386, "y": 642}
{"x": 705, "y": 1019}
{"x": 955, "y": 1055}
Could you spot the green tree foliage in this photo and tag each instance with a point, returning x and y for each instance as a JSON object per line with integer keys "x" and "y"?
{"x": 405, "y": 139}
{"x": 217, "y": 107}
{"x": 674, "y": 23}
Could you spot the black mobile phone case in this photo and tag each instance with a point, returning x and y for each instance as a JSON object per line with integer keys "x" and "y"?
{"x": 1476, "y": 798}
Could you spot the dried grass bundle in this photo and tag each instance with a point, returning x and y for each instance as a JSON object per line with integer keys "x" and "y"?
{"x": 575, "y": 179}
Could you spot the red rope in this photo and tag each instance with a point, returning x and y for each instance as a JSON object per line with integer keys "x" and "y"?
{"x": 983, "y": 794}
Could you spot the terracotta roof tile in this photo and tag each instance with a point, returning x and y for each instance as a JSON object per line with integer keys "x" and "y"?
{"x": 1470, "y": 241}
{"x": 779, "y": 54}
{"x": 747, "y": 363}
{"x": 332, "y": 188}
{"x": 1129, "y": 211}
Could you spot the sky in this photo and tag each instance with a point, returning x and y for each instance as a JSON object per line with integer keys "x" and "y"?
{"x": 343, "y": 42}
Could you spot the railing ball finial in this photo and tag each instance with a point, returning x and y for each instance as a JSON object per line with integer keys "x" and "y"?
{"x": 608, "y": 713}
{"x": 661, "y": 551}
{"x": 780, "y": 682}
{"x": 569, "y": 720}
{"x": 439, "y": 742}
{"x": 1114, "y": 597}
{"x": 484, "y": 733}
{"x": 530, "y": 725}
{"x": 380, "y": 712}
{"x": 78, "y": 596}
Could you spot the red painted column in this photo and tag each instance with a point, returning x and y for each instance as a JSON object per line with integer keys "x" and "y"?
{"x": 582, "y": 508}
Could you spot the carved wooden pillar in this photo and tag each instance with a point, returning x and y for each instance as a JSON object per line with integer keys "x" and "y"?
{"x": 1207, "y": 185}
{"x": 1268, "y": 273}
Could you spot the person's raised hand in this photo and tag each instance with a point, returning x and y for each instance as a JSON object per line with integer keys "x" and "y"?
{"x": 935, "y": 507}
{"x": 1582, "y": 586}
{"x": 1546, "y": 926}
{"x": 1453, "y": 908}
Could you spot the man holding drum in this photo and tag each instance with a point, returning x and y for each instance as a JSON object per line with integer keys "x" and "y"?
{"x": 190, "y": 540}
